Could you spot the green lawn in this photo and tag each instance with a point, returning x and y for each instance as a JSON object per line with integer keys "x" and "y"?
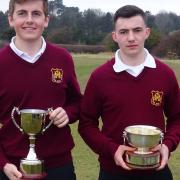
{"x": 85, "y": 161}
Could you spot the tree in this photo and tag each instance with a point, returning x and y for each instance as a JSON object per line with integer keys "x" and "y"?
{"x": 56, "y": 7}
{"x": 106, "y": 22}
{"x": 3, "y": 23}
{"x": 110, "y": 44}
{"x": 61, "y": 35}
{"x": 93, "y": 32}
{"x": 150, "y": 20}
{"x": 153, "y": 40}
{"x": 167, "y": 22}
{"x": 174, "y": 43}
{"x": 7, "y": 34}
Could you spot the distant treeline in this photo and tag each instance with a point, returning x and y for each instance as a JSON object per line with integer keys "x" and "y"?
{"x": 69, "y": 25}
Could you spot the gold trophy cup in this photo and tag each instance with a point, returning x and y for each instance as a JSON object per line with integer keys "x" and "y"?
{"x": 32, "y": 123}
{"x": 143, "y": 138}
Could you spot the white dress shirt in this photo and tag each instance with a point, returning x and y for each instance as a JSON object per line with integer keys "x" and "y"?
{"x": 24, "y": 55}
{"x": 119, "y": 66}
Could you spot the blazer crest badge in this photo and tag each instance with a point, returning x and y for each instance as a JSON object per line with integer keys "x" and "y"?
{"x": 57, "y": 75}
{"x": 156, "y": 98}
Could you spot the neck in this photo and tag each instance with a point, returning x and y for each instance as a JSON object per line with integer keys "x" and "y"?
{"x": 31, "y": 48}
{"x": 133, "y": 60}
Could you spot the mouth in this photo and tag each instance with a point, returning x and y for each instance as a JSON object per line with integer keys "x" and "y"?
{"x": 29, "y": 28}
{"x": 132, "y": 46}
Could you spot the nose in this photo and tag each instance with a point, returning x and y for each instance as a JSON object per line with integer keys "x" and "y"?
{"x": 131, "y": 36}
{"x": 29, "y": 18}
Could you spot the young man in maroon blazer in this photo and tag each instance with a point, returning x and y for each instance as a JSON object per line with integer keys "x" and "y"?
{"x": 123, "y": 92}
{"x": 35, "y": 74}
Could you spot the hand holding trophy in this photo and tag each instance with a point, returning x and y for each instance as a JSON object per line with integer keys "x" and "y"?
{"x": 32, "y": 123}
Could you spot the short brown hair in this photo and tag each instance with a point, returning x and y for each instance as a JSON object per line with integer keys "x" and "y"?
{"x": 13, "y": 2}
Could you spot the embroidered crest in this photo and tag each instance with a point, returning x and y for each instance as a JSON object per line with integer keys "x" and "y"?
{"x": 57, "y": 75}
{"x": 156, "y": 98}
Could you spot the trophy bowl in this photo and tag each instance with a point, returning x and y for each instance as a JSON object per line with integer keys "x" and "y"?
{"x": 143, "y": 138}
{"x": 32, "y": 120}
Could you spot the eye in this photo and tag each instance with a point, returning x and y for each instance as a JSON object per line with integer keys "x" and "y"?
{"x": 36, "y": 13}
{"x": 122, "y": 32}
{"x": 21, "y": 13}
{"x": 138, "y": 30}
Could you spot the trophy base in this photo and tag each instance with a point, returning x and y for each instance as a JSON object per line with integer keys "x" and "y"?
{"x": 142, "y": 161}
{"x": 33, "y": 176}
{"x": 32, "y": 169}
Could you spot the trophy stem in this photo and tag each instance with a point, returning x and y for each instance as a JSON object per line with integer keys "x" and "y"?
{"x": 143, "y": 151}
{"x": 32, "y": 154}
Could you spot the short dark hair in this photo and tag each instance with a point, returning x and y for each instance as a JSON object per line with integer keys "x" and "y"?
{"x": 129, "y": 11}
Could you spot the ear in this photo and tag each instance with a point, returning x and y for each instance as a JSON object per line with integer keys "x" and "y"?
{"x": 148, "y": 31}
{"x": 46, "y": 21}
{"x": 11, "y": 21}
{"x": 114, "y": 36}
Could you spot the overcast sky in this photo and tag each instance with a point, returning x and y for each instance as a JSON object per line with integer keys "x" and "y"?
{"x": 154, "y": 6}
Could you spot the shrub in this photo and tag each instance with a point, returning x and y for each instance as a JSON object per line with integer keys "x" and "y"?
{"x": 169, "y": 46}
{"x": 84, "y": 48}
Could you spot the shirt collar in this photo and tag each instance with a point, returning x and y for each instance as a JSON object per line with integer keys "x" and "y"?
{"x": 24, "y": 55}
{"x": 119, "y": 66}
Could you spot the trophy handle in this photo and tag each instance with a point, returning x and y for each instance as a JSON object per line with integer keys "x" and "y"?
{"x": 45, "y": 128}
{"x": 161, "y": 138}
{"x": 124, "y": 137}
{"x": 15, "y": 109}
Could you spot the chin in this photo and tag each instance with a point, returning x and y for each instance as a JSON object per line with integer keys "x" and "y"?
{"x": 134, "y": 51}
{"x": 31, "y": 38}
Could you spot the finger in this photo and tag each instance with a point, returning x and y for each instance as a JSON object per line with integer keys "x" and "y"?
{"x": 55, "y": 112}
{"x": 60, "y": 119}
{"x": 120, "y": 162}
{"x": 15, "y": 175}
{"x": 157, "y": 148}
{"x": 59, "y": 116}
{"x": 63, "y": 124}
{"x": 123, "y": 164}
{"x": 130, "y": 148}
{"x": 163, "y": 163}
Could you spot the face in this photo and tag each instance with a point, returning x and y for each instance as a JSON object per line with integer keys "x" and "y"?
{"x": 29, "y": 20}
{"x": 130, "y": 34}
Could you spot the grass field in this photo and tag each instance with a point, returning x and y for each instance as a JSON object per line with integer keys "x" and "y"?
{"x": 85, "y": 161}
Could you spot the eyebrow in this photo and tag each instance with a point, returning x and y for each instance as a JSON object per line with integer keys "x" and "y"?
{"x": 23, "y": 10}
{"x": 125, "y": 29}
